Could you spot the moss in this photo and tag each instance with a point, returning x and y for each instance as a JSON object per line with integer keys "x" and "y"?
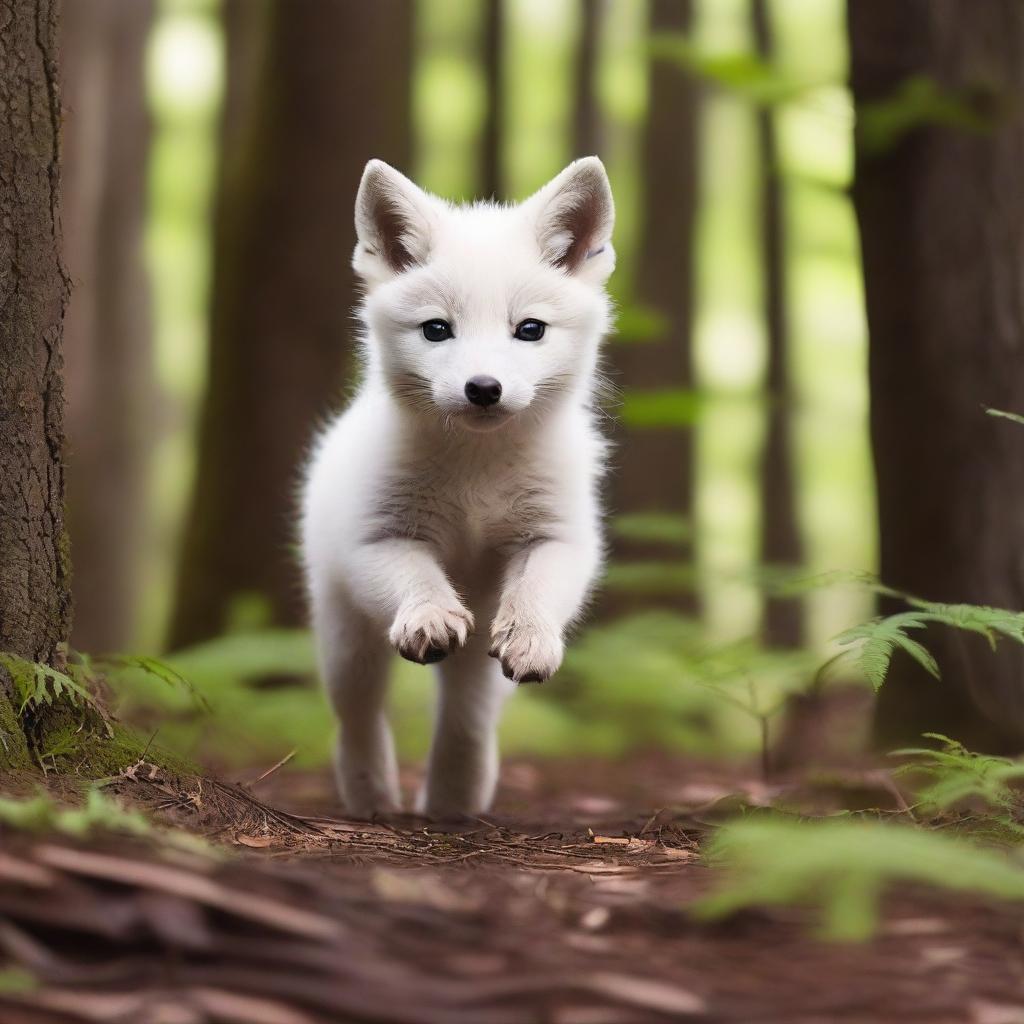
{"x": 97, "y": 755}
{"x": 68, "y": 739}
{"x": 14, "y": 753}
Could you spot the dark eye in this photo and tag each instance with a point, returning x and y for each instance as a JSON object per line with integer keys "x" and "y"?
{"x": 530, "y": 330}
{"x": 436, "y": 330}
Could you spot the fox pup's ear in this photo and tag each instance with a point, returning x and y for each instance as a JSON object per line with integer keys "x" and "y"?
{"x": 393, "y": 223}
{"x": 574, "y": 215}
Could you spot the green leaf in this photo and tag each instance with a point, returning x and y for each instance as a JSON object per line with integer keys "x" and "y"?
{"x": 975, "y": 618}
{"x": 651, "y": 577}
{"x": 920, "y": 654}
{"x": 42, "y": 813}
{"x": 916, "y": 103}
{"x": 842, "y": 866}
{"x": 1012, "y": 416}
{"x": 635, "y": 324}
{"x": 957, "y": 774}
{"x": 17, "y": 981}
{"x": 742, "y": 73}
{"x": 157, "y": 669}
{"x": 657, "y": 527}
{"x": 662, "y": 408}
{"x": 878, "y": 640}
{"x": 41, "y": 684}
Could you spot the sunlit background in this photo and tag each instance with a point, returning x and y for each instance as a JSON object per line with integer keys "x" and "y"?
{"x": 649, "y": 678}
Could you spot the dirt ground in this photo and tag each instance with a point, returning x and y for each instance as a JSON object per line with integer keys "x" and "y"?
{"x": 567, "y": 905}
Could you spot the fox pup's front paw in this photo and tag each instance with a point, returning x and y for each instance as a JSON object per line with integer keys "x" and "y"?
{"x": 427, "y": 632}
{"x": 529, "y": 650}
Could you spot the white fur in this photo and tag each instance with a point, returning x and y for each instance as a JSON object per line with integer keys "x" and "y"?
{"x": 432, "y": 524}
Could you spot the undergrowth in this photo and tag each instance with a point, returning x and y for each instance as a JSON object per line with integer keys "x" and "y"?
{"x": 843, "y": 866}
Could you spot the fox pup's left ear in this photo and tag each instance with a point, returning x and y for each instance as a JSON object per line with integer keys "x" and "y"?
{"x": 394, "y": 222}
{"x": 574, "y": 215}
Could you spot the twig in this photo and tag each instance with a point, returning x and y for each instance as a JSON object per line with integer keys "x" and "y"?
{"x": 280, "y": 764}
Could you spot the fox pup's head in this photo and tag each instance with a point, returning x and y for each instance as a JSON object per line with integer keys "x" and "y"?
{"x": 477, "y": 313}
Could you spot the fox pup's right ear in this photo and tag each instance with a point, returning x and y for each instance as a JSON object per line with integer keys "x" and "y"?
{"x": 394, "y": 218}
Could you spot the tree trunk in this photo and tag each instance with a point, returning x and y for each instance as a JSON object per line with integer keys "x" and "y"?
{"x": 283, "y": 291}
{"x": 654, "y": 466}
{"x": 780, "y": 541}
{"x": 586, "y": 122}
{"x": 108, "y": 341}
{"x": 941, "y": 215}
{"x": 35, "y": 604}
{"x": 492, "y": 183}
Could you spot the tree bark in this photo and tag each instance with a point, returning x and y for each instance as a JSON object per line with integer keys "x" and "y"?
{"x": 492, "y": 182}
{"x": 780, "y": 542}
{"x": 108, "y": 334}
{"x": 35, "y": 604}
{"x": 654, "y": 466}
{"x": 941, "y": 216}
{"x": 283, "y": 292}
{"x": 586, "y": 123}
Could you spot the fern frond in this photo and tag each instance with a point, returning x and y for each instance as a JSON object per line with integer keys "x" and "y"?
{"x": 1012, "y": 416}
{"x": 975, "y": 618}
{"x": 960, "y": 774}
{"x": 844, "y": 865}
{"x": 41, "y": 684}
{"x": 158, "y": 670}
{"x": 879, "y": 640}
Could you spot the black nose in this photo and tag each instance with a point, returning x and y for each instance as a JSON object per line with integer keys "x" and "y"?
{"x": 483, "y": 391}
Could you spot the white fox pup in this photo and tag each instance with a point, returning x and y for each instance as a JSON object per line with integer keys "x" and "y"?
{"x": 451, "y": 512}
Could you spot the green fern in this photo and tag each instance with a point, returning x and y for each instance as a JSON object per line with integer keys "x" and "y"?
{"x": 656, "y": 527}
{"x": 1012, "y": 416}
{"x": 114, "y": 663}
{"x": 40, "y": 684}
{"x": 843, "y": 866}
{"x": 959, "y": 774}
{"x": 880, "y": 638}
{"x": 742, "y": 74}
{"x": 42, "y": 813}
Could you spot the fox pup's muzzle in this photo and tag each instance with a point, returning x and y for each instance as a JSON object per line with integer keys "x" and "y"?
{"x": 483, "y": 391}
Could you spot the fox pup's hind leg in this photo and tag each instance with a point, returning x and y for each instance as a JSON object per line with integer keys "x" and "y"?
{"x": 354, "y": 661}
{"x": 462, "y": 772}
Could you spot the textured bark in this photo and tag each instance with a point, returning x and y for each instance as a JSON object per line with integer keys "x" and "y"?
{"x": 492, "y": 181}
{"x": 941, "y": 217}
{"x": 655, "y": 465}
{"x": 586, "y": 122}
{"x": 780, "y": 542}
{"x": 35, "y": 606}
{"x": 283, "y": 290}
{"x": 108, "y": 333}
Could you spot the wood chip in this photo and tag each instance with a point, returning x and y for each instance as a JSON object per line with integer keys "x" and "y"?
{"x": 255, "y": 842}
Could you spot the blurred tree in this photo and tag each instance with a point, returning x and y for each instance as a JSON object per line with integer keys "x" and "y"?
{"x": 941, "y": 216}
{"x": 586, "y": 123}
{"x": 110, "y": 388}
{"x": 492, "y": 182}
{"x": 35, "y": 602}
{"x": 780, "y": 541}
{"x": 283, "y": 291}
{"x": 654, "y": 467}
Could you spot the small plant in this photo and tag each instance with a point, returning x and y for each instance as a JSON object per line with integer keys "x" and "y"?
{"x": 879, "y": 639}
{"x": 958, "y": 774}
{"x": 42, "y": 813}
{"x": 843, "y": 866}
{"x": 41, "y": 684}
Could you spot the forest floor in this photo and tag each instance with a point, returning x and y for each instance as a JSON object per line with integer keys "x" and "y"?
{"x": 567, "y": 905}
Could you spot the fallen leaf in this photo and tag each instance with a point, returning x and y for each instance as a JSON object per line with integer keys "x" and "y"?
{"x": 256, "y": 842}
{"x": 674, "y": 853}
